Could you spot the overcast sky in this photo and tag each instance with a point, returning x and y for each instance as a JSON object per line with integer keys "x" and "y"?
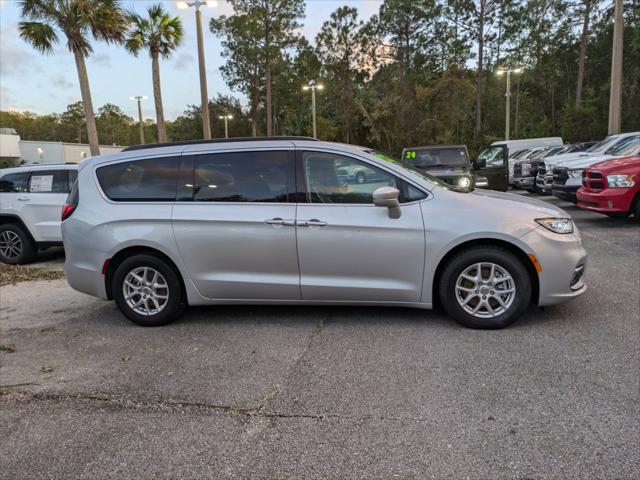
{"x": 44, "y": 84}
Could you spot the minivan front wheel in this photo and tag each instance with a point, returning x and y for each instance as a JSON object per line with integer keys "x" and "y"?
{"x": 147, "y": 290}
{"x": 485, "y": 287}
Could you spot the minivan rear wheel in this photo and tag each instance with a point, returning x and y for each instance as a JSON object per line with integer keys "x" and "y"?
{"x": 485, "y": 287}
{"x": 147, "y": 290}
{"x": 16, "y": 246}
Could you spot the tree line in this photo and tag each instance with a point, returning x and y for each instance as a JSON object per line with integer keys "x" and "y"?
{"x": 417, "y": 72}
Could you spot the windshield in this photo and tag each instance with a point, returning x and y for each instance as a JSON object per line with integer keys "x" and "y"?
{"x": 624, "y": 147}
{"x": 596, "y": 147}
{"x": 437, "y": 157}
{"x": 417, "y": 171}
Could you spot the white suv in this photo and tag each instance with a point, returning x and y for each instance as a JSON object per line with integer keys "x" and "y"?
{"x": 31, "y": 199}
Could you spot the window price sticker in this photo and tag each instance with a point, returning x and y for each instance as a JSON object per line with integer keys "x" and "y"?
{"x": 41, "y": 183}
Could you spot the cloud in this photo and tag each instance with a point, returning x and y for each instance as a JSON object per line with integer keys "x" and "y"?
{"x": 60, "y": 81}
{"x": 183, "y": 60}
{"x": 101, "y": 59}
{"x": 15, "y": 59}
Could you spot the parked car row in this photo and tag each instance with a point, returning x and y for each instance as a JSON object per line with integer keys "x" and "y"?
{"x": 288, "y": 221}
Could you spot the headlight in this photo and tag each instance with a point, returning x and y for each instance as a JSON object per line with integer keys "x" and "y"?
{"x": 464, "y": 182}
{"x": 526, "y": 169}
{"x": 574, "y": 173}
{"x": 557, "y": 225}
{"x": 620, "y": 181}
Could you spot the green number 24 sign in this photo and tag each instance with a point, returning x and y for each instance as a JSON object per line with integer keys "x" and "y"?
{"x": 410, "y": 154}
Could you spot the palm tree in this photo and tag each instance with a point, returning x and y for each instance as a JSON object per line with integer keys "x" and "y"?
{"x": 161, "y": 34}
{"x": 79, "y": 21}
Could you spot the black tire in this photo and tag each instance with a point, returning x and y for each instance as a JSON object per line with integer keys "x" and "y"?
{"x": 636, "y": 208}
{"x": 174, "y": 305}
{"x": 493, "y": 254}
{"x": 360, "y": 178}
{"x": 27, "y": 249}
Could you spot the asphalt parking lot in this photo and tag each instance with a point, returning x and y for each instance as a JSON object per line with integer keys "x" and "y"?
{"x": 289, "y": 392}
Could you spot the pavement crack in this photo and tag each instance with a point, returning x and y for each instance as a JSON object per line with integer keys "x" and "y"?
{"x": 177, "y": 406}
{"x": 278, "y": 387}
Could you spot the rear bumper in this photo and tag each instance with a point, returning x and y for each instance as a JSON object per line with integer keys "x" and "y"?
{"x": 610, "y": 200}
{"x": 565, "y": 192}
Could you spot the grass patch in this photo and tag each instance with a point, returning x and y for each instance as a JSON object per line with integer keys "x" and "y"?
{"x": 12, "y": 274}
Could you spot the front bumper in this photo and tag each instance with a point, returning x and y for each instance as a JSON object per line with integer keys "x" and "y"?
{"x": 561, "y": 257}
{"x": 565, "y": 192}
{"x": 609, "y": 200}
{"x": 523, "y": 182}
{"x": 543, "y": 184}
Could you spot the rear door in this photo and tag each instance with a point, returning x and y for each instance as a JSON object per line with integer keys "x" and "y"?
{"x": 496, "y": 169}
{"x": 234, "y": 224}
{"x": 48, "y": 190}
{"x": 349, "y": 249}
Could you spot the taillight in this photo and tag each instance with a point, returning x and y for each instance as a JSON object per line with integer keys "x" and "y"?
{"x": 67, "y": 210}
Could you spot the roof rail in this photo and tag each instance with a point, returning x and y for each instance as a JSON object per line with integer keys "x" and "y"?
{"x": 217, "y": 140}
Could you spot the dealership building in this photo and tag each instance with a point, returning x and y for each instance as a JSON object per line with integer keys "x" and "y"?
{"x": 28, "y": 152}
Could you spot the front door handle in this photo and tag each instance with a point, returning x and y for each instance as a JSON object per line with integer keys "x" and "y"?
{"x": 23, "y": 199}
{"x": 280, "y": 221}
{"x": 314, "y": 222}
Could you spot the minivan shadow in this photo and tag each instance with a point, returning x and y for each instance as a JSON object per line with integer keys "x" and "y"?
{"x": 312, "y": 315}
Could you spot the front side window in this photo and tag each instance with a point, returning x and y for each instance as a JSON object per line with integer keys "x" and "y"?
{"x": 336, "y": 179}
{"x": 494, "y": 156}
{"x": 14, "y": 182}
{"x": 261, "y": 176}
{"x": 49, "y": 181}
{"x": 150, "y": 180}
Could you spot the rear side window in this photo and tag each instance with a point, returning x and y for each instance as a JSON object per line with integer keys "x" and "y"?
{"x": 49, "y": 181}
{"x": 266, "y": 176}
{"x": 14, "y": 182}
{"x": 150, "y": 180}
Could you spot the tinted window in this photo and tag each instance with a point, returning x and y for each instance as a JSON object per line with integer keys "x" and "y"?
{"x": 49, "y": 181}
{"x": 244, "y": 177}
{"x": 14, "y": 182}
{"x": 336, "y": 179}
{"x": 152, "y": 180}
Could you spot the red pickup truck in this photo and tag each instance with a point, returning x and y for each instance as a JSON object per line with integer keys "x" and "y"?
{"x": 612, "y": 187}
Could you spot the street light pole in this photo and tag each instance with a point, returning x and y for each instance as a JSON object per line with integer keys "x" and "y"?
{"x": 204, "y": 96}
{"x": 507, "y": 118}
{"x": 139, "y": 98}
{"x": 615, "y": 95}
{"x": 313, "y": 87}
{"x": 226, "y": 118}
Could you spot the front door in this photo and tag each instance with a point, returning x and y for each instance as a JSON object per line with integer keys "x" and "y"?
{"x": 349, "y": 249}
{"x": 496, "y": 169}
{"x": 236, "y": 232}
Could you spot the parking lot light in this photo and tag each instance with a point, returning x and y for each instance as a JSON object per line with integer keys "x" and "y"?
{"x": 226, "y": 119}
{"x": 508, "y": 72}
{"x": 313, "y": 86}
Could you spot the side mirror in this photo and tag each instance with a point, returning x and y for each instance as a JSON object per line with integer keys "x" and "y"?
{"x": 388, "y": 197}
{"x": 480, "y": 163}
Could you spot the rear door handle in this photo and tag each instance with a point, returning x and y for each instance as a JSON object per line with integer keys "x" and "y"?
{"x": 314, "y": 222}
{"x": 23, "y": 199}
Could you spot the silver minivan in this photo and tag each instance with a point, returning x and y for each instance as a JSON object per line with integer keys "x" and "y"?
{"x": 272, "y": 221}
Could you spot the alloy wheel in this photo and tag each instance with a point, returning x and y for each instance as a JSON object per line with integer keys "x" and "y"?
{"x": 145, "y": 290}
{"x": 485, "y": 290}
{"x": 10, "y": 245}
